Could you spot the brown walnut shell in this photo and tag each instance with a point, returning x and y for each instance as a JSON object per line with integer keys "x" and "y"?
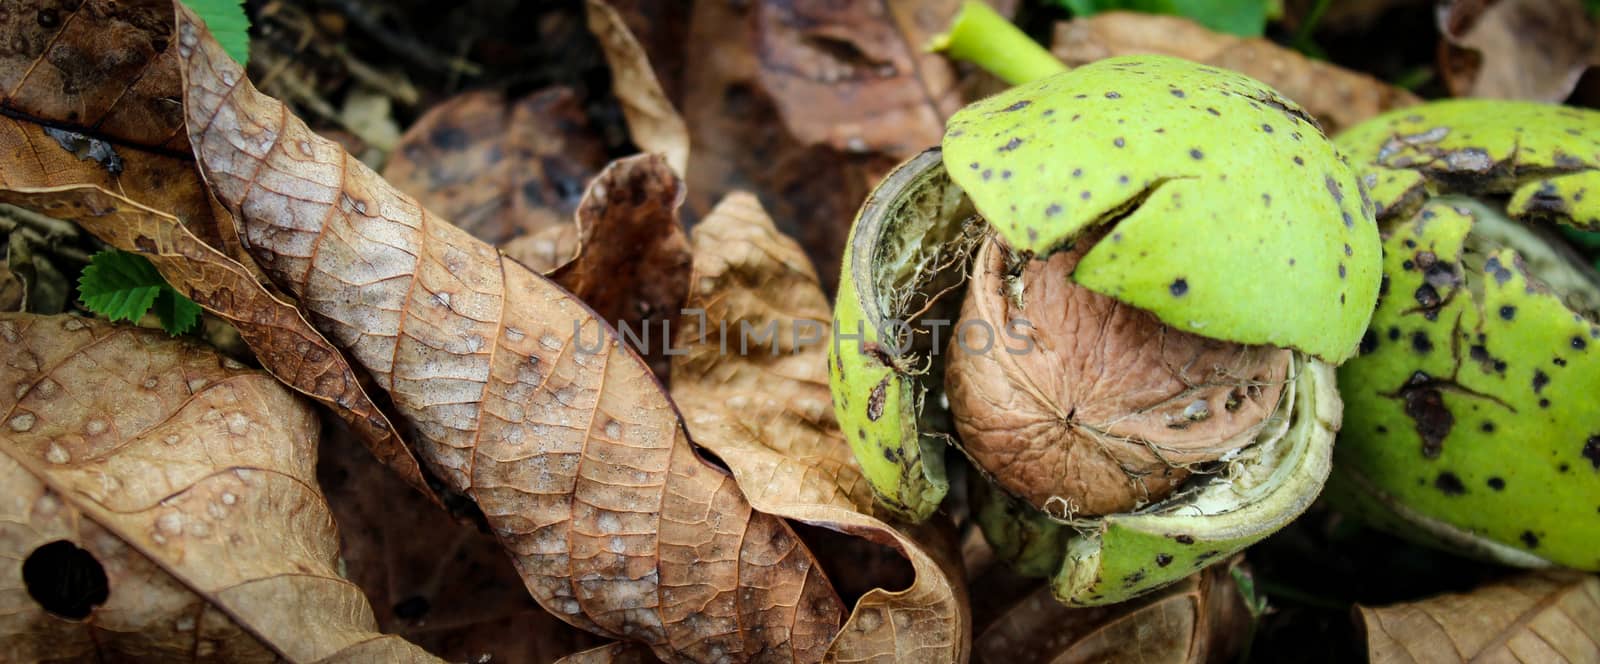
{"x": 1090, "y": 406}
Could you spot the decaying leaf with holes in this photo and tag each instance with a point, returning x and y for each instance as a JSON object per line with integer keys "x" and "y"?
{"x": 159, "y": 502}
{"x": 1471, "y": 422}
{"x": 1071, "y": 291}
{"x": 521, "y": 399}
{"x": 280, "y": 337}
{"x": 759, "y": 400}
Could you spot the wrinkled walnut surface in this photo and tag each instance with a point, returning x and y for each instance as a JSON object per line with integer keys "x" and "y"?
{"x": 1111, "y": 407}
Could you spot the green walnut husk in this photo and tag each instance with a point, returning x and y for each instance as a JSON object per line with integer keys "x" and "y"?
{"x": 1471, "y": 419}
{"x": 1220, "y": 208}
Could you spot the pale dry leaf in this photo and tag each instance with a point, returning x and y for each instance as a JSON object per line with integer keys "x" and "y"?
{"x": 500, "y": 169}
{"x": 1336, "y": 96}
{"x": 520, "y": 398}
{"x": 1533, "y": 617}
{"x": 159, "y": 504}
{"x": 1515, "y": 49}
{"x": 857, "y": 76}
{"x": 653, "y": 123}
{"x": 279, "y": 336}
{"x": 1194, "y": 621}
{"x": 632, "y": 265}
{"x": 761, "y": 403}
{"x": 545, "y": 250}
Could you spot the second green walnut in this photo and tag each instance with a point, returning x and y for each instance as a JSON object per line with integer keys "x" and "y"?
{"x": 1120, "y": 291}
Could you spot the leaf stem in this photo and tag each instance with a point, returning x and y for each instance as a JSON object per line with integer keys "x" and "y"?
{"x": 979, "y": 35}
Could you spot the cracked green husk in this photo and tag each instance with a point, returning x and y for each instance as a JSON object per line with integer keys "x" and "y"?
{"x": 1286, "y": 255}
{"x": 1471, "y": 421}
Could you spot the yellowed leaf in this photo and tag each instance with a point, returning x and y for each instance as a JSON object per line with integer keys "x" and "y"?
{"x": 653, "y": 122}
{"x": 158, "y": 502}
{"x": 1545, "y": 617}
{"x": 762, "y": 404}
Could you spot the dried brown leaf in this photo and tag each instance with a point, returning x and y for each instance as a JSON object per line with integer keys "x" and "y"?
{"x": 437, "y": 582}
{"x": 281, "y": 338}
{"x": 576, "y": 457}
{"x": 1516, "y": 49}
{"x": 740, "y": 143}
{"x": 1337, "y": 97}
{"x": 106, "y": 68}
{"x": 856, "y": 76}
{"x": 1194, "y": 621}
{"x": 1534, "y": 617}
{"x": 500, "y": 169}
{"x": 653, "y": 122}
{"x": 188, "y": 480}
{"x": 90, "y": 93}
{"x": 762, "y": 405}
{"x": 633, "y": 260}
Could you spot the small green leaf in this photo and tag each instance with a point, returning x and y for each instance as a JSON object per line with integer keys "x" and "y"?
{"x": 1257, "y": 604}
{"x": 124, "y": 286}
{"x": 228, "y": 23}
{"x": 1245, "y": 18}
{"x": 178, "y": 314}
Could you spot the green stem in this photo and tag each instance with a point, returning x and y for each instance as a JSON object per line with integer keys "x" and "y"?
{"x": 980, "y": 36}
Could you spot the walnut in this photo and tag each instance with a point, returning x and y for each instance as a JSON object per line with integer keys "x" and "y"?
{"x": 1108, "y": 409}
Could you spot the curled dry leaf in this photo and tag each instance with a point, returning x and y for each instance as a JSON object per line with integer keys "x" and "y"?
{"x": 856, "y": 76}
{"x": 570, "y": 448}
{"x": 1336, "y": 96}
{"x": 281, "y": 338}
{"x": 653, "y": 123}
{"x": 1534, "y": 617}
{"x": 90, "y": 97}
{"x": 633, "y": 260}
{"x": 440, "y": 583}
{"x": 1197, "y": 620}
{"x": 500, "y": 169}
{"x": 1516, "y": 49}
{"x": 761, "y": 403}
{"x": 158, "y": 503}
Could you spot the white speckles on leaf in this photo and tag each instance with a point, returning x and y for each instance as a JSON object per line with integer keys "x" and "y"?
{"x": 22, "y": 422}
{"x": 238, "y": 423}
{"x": 57, "y": 454}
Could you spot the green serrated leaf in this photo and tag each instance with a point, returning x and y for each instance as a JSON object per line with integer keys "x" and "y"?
{"x": 178, "y": 314}
{"x": 228, "y": 23}
{"x": 124, "y": 286}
